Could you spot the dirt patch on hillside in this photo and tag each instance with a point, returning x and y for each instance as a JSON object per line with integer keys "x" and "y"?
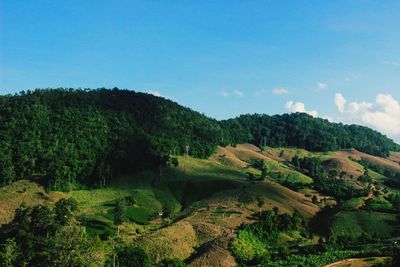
{"x": 239, "y": 155}
{"x": 286, "y": 154}
{"x": 286, "y": 199}
{"x": 214, "y": 253}
{"x": 176, "y": 241}
{"x": 343, "y": 165}
{"x": 206, "y": 232}
{"x": 225, "y": 156}
{"x": 382, "y": 162}
{"x": 246, "y": 152}
{"x": 394, "y": 156}
{"x": 27, "y": 193}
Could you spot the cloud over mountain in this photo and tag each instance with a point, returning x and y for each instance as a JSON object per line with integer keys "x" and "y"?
{"x": 299, "y": 107}
{"x": 383, "y": 114}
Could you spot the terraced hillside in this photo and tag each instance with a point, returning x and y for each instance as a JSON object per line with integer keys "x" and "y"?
{"x": 193, "y": 211}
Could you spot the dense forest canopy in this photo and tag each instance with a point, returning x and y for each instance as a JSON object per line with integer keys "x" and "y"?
{"x": 304, "y": 131}
{"x": 62, "y": 137}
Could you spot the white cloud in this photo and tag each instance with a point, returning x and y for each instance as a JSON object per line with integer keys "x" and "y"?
{"x": 321, "y": 86}
{"x": 280, "y": 91}
{"x": 155, "y": 93}
{"x": 383, "y": 114}
{"x": 299, "y": 107}
{"x": 355, "y": 107}
{"x": 224, "y": 93}
{"x": 340, "y": 101}
{"x": 238, "y": 93}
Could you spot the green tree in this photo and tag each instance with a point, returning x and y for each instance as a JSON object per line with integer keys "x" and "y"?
{"x": 119, "y": 213}
{"x": 9, "y": 253}
{"x": 132, "y": 257}
{"x": 64, "y": 209}
{"x": 314, "y": 199}
{"x": 296, "y": 162}
{"x": 260, "y": 204}
{"x": 264, "y": 170}
{"x": 71, "y": 246}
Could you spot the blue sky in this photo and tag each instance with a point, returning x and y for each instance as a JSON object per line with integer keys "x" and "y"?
{"x": 334, "y": 59}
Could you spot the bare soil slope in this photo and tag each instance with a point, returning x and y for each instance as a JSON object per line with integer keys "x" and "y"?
{"x": 383, "y": 162}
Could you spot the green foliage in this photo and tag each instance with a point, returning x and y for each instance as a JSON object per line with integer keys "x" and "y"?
{"x": 379, "y": 203}
{"x": 132, "y": 257}
{"x": 119, "y": 213}
{"x": 393, "y": 176}
{"x": 37, "y": 237}
{"x": 248, "y": 246}
{"x": 258, "y": 241}
{"x": 139, "y": 215}
{"x": 65, "y": 138}
{"x": 353, "y": 203}
{"x": 303, "y": 131}
{"x": 314, "y": 199}
{"x": 71, "y": 246}
{"x": 172, "y": 263}
{"x": 9, "y": 253}
{"x": 394, "y": 198}
{"x": 64, "y": 209}
{"x": 327, "y": 182}
{"x": 353, "y": 224}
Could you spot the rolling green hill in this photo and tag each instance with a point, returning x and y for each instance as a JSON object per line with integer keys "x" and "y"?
{"x": 64, "y": 138}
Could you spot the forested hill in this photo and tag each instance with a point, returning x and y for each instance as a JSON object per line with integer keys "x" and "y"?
{"x": 63, "y": 137}
{"x": 304, "y": 131}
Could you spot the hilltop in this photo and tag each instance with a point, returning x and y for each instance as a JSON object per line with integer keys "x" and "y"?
{"x": 63, "y": 138}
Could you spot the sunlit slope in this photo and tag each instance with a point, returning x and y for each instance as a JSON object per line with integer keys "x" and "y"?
{"x": 344, "y": 161}
{"x": 26, "y": 193}
{"x": 242, "y": 155}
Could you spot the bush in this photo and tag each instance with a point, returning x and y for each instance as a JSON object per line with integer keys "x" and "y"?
{"x": 247, "y": 246}
{"x": 133, "y": 257}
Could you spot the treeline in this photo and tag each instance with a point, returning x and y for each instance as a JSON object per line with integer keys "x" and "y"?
{"x": 304, "y": 131}
{"x": 66, "y": 137}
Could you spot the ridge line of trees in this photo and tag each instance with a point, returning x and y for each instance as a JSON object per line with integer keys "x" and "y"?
{"x": 63, "y": 138}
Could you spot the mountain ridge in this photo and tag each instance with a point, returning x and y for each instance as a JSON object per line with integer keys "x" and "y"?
{"x": 66, "y": 137}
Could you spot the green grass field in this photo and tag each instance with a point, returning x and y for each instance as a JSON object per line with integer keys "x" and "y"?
{"x": 379, "y": 203}
{"x": 354, "y": 223}
{"x": 353, "y": 203}
{"x": 179, "y": 187}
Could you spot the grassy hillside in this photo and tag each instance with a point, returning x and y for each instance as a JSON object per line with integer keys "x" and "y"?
{"x": 26, "y": 193}
{"x": 193, "y": 210}
{"x": 357, "y": 223}
{"x": 242, "y": 155}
